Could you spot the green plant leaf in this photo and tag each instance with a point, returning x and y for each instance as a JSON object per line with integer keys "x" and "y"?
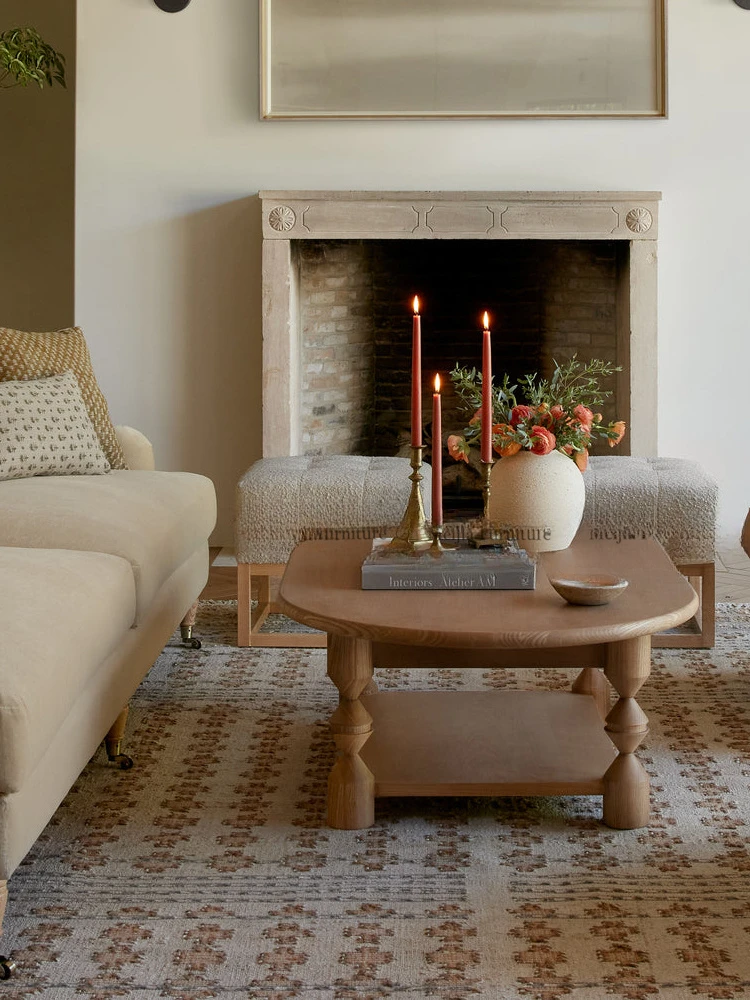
{"x": 26, "y": 58}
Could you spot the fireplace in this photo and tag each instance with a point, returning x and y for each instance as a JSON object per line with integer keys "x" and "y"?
{"x": 560, "y": 273}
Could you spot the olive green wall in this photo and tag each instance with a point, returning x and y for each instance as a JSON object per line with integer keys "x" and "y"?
{"x": 37, "y": 180}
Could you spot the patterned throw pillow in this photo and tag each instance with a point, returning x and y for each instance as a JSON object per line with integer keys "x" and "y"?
{"x": 45, "y": 430}
{"x": 38, "y": 355}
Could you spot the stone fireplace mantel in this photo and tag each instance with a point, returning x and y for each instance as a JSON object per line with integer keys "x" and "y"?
{"x": 289, "y": 216}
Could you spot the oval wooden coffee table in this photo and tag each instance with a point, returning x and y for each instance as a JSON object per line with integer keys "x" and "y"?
{"x": 489, "y": 742}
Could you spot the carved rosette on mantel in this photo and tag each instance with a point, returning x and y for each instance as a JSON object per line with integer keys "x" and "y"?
{"x": 639, "y": 220}
{"x": 282, "y": 218}
{"x": 290, "y": 216}
{"x": 493, "y": 215}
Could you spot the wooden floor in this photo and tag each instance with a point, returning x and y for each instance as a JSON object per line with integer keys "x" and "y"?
{"x": 222, "y": 581}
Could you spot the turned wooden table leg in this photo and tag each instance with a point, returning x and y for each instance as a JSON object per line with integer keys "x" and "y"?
{"x": 3, "y": 901}
{"x": 626, "y": 783}
{"x": 591, "y": 681}
{"x": 351, "y": 785}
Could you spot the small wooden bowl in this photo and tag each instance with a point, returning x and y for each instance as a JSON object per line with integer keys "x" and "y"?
{"x": 598, "y": 588}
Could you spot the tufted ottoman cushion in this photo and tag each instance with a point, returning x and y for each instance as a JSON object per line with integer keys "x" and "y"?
{"x": 282, "y": 501}
{"x": 671, "y": 499}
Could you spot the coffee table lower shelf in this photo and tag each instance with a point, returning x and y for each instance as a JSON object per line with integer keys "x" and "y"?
{"x": 486, "y": 743}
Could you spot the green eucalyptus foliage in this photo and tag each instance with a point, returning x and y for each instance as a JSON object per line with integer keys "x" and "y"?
{"x": 26, "y": 58}
{"x": 562, "y": 405}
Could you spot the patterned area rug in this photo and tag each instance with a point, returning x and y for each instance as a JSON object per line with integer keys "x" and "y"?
{"x": 207, "y": 870}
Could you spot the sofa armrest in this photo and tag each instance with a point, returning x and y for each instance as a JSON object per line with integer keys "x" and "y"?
{"x": 136, "y": 447}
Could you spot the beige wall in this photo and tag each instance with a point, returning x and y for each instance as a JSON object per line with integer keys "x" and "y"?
{"x": 37, "y": 179}
{"x": 171, "y": 153}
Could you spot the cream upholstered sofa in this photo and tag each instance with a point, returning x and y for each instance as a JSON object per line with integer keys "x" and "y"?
{"x": 96, "y": 572}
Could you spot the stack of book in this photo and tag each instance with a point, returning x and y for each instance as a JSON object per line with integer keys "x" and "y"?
{"x": 464, "y": 567}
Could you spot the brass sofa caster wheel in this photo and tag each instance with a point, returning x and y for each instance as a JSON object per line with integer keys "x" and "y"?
{"x": 122, "y": 760}
{"x": 7, "y": 967}
{"x": 188, "y": 640}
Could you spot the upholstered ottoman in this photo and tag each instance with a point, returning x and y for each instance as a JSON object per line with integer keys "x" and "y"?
{"x": 282, "y": 501}
{"x": 671, "y": 499}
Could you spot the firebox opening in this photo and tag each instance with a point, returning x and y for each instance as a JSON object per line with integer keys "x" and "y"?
{"x": 547, "y": 299}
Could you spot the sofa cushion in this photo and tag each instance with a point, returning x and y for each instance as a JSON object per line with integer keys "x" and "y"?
{"x": 155, "y": 520}
{"x": 46, "y": 431}
{"x": 61, "y": 614}
{"x": 36, "y": 355}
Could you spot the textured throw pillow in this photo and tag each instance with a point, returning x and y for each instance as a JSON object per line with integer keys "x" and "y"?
{"x": 45, "y": 430}
{"x": 38, "y": 355}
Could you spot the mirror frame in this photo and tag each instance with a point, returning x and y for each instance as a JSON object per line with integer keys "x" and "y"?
{"x": 270, "y": 111}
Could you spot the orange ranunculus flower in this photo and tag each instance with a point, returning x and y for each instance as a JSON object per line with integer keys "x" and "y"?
{"x": 581, "y": 458}
{"x": 619, "y": 427}
{"x": 543, "y": 440}
{"x": 458, "y": 448}
{"x": 503, "y": 441}
{"x": 584, "y": 415}
{"x": 519, "y": 413}
{"x": 557, "y": 412}
{"x": 598, "y": 418}
{"x": 477, "y": 417}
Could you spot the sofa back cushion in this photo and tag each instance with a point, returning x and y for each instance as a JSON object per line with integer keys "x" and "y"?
{"x": 45, "y": 430}
{"x": 38, "y": 355}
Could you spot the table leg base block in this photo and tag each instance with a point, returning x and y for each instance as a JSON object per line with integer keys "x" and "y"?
{"x": 626, "y": 804}
{"x": 351, "y": 795}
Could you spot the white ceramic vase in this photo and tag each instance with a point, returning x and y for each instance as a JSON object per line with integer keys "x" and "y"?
{"x": 540, "y": 496}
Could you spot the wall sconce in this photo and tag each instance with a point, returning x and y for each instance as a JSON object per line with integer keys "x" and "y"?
{"x": 171, "y": 6}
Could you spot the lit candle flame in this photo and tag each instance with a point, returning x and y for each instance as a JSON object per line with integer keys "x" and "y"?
{"x": 437, "y": 383}
{"x": 486, "y": 321}
{"x": 416, "y": 305}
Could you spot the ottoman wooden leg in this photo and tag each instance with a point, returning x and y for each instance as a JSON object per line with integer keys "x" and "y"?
{"x": 3, "y": 902}
{"x": 250, "y": 620}
{"x": 702, "y": 577}
{"x": 244, "y": 605}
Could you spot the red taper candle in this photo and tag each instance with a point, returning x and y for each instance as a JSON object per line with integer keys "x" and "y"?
{"x": 416, "y": 377}
{"x": 437, "y": 456}
{"x": 486, "y": 392}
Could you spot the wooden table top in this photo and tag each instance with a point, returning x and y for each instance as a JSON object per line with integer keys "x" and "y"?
{"x": 321, "y": 587}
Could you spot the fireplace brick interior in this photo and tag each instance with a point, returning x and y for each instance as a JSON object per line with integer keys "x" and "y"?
{"x": 548, "y": 299}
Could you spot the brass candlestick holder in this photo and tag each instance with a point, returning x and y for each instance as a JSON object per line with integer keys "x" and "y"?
{"x": 437, "y": 547}
{"x": 412, "y": 534}
{"x": 485, "y": 537}
{"x": 486, "y": 489}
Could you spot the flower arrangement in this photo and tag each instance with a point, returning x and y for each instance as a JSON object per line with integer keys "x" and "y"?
{"x": 559, "y": 413}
